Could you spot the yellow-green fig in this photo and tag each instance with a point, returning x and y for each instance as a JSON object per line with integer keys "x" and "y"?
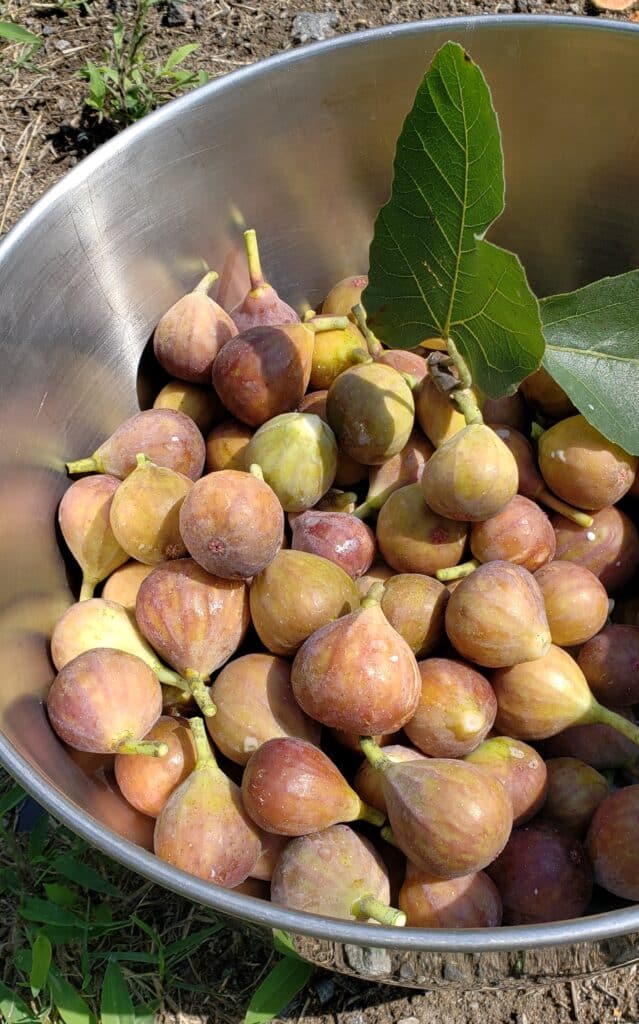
{"x": 371, "y": 411}
{"x": 472, "y": 476}
{"x": 297, "y": 455}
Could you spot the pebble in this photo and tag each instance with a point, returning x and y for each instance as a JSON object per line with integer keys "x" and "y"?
{"x": 408, "y": 1020}
{"x": 174, "y": 15}
{"x": 309, "y": 27}
{"x": 62, "y": 44}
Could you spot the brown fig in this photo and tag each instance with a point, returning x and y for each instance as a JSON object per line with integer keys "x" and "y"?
{"x": 344, "y": 295}
{"x": 145, "y": 512}
{"x": 413, "y": 538}
{"x": 609, "y": 547}
{"x": 545, "y": 395}
{"x": 297, "y": 456}
{"x": 122, "y": 586}
{"x": 371, "y": 411}
{"x": 399, "y": 471}
{"x": 471, "y": 901}
{"x": 510, "y": 411}
{"x": 456, "y": 709}
{"x": 470, "y": 477}
{"x": 521, "y": 533}
{"x": 415, "y": 605}
{"x": 368, "y": 781}
{"x": 598, "y": 745}
{"x": 200, "y": 403}
{"x": 147, "y": 782}
{"x": 575, "y": 791}
{"x": 350, "y": 740}
{"x": 226, "y": 445}
{"x": 613, "y": 843}
{"x": 610, "y": 663}
{"x": 379, "y": 572}
{"x": 337, "y": 536}
{"x": 582, "y": 466}
{"x": 576, "y": 603}
{"x": 83, "y": 516}
{"x": 272, "y": 849}
{"x": 519, "y": 768}
{"x": 261, "y": 305}
{"x": 191, "y": 333}
{"x": 405, "y": 362}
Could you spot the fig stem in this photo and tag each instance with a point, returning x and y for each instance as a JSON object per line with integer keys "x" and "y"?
{"x": 344, "y": 500}
{"x": 329, "y": 323}
{"x": 375, "y": 346}
{"x": 358, "y": 355}
{"x": 364, "y": 509}
{"x": 203, "y": 752}
{"x": 574, "y": 514}
{"x": 599, "y": 713}
{"x": 308, "y": 315}
{"x": 203, "y": 286}
{"x": 253, "y": 259}
{"x": 167, "y": 675}
{"x": 374, "y": 595}
{"x": 371, "y": 814}
{"x": 412, "y": 381}
{"x": 457, "y": 572}
{"x": 256, "y": 470}
{"x": 90, "y": 465}
{"x": 388, "y": 836}
{"x": 374, "y": 754}
{"x": 151, "y": 748}
{"x": 463, "y": 397}
{"x": 200, "y": 692}
{"x": 142, "y": 460}
{"x": 368, "y": 906}
{"x": 87, "y": 588}
{"x": 536, "y": 430}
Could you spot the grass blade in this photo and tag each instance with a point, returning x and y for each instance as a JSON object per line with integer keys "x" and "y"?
{"x": 17, "y": 34}
{"x": 69, "y": 1003}
{"x": 13, "y": 1009}
{"x": 116, "y": 1005}
{"x": 42, "y": 912}
{"x": 16, "y": 794}
{"x": 287, "y": 978}
{"x": 40, "y": 962}
{"x": 84, "y": 876}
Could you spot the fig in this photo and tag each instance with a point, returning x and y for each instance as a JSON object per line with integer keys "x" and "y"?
{"x": 470, "y": 477}
{"x": 357, "y": 673}
{"x": 106, "y": 701}
{"x": 368, "y": 781}
{"x": 399, "y": 471}
{"x": 496, "y": 617}
{"x": 379, "y": 572}
{"x": 200, "y": 403}
{"x": 456, "y": 709}
{"x": 226, "y": 445}
{"x": 218, "y": 523}
{"x": 147, "y": 782}
{"x": 542, "y": 875}
{"x": 348, "y": 472}
{"x": 575, "y": 791}
{"x": 437, "y": 416}
{"x": 203, "y": 827}
{"x": 545, "y": 395}
{"x": 415, "y": 605}
{"x": 582, "y": 466}
{"x": 413, "y": 538}
{"x": 83, "y": 516}
{"x": 419, "y": 796}
{"x": 122, "y": 586}
{"x": 509, "y": 411}
{"x": 519, "y": 768}
{"x": 255, "y": 703}
{"x": 292, "y": 788}
{"x": 344, "y": 295}
{"x": 598, "y": 745}
{"x": 296, "y": 595}
{"x": 626, "y": 612}
{"x": 337, "y": 536}
{"x": 255, "y": 887}
{"x": 261, "y": 305}
{"x": 521, "y": 533}
{"x": 610, "y": 663}
{"x": 335, "y": 873}
{"x": 471, "y": 901}
{"x": 405, "y": 362}
{"x": 335, "y": 500}
{"x": 350, "y": 740}
{"x": 613, "y": 843}
{"x": 576, "y": 603}
{"x": 334, "y": 351}
{"x": 191, "y": 333}
{"x": 193, "y": 620}
{"x": 370, "y": 409}
{"x": 297, "y": 455}
{"x": 167, "y": 438}
{"x": 609, "y": 547}
{"x": 272, "y": 849}
{"x": 145, "y": 512}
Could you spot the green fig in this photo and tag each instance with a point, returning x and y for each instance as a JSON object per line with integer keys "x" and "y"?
{"x": 145, "y": 512}
{"x": 199, "y": 403}
{"x": 371, "y": 411}
{"x": 297, "y": 455}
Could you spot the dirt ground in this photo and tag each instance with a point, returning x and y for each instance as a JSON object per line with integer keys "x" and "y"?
{"x": 44, "y": 130}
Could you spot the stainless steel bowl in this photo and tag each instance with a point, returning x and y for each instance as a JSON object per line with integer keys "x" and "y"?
{"x": 301, "y": 146}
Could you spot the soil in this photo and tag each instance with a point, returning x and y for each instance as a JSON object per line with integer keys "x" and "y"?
{"x": 45, "y": 128}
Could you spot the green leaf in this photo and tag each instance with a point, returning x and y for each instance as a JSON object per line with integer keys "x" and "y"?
{"x": 145, "y": 1013}
{"x": 284, "y": 944}
{"x": 11, "y": 799}
{"x": 431, "y": 274}
{"x": 84, "y": 876}
{"x": 17, "y": 34}
{"x": 61, "y": 895}
{"x": 38, "y": 838}
{"x": 181, "y": 948}
{"x": 13, "y": 1009}
{"x": 116, "y": 1005}
{"x": 43, "y": 912}
{"x": 69, "y": 1003}
{"x": 40, "y": 962}
{"x": 97, "y": 85}
{"x": 288, "y": 977}
{"x": 592, "y": 351}
{"x": 179, "y": 55}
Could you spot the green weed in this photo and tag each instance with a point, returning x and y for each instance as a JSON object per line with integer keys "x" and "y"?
{"x": 30, "y": 43}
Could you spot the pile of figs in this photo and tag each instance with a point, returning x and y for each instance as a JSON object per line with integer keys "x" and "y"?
{"x": 351, "y": 651}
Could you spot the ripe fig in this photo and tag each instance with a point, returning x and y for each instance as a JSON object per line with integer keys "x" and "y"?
{"x": 368, "y": 781}
{"x": 613, "y": 843}
{"x": 226, "y": 445}
{"x": 167, "y": 438}
{"x": 334, "y": 351}
{"x": 122, "y": 586}
{"x": 200, "y": 403}
{"x": 145, "y": 512}
{"x": 496, "y": 616}
{"x": 191, "y": 333}
{"x": 413, "y": 538}
{"x": 350, "y": 740}
{"x": 335, "y": 500}
{"x": 337, "y": 536}
{"x": 218, "y": 524}
{"x": 471, "y": 901}
{"x": 542, "y": 875}
{"x": 147, "y": 782}
{"x": 379, "y": 572}
{"x": 106, "y": 701}
{"x": 357, "y": 673}
{"x": 437, "y": 416}
{"x": 470, "y": 477}
{"x": 415, "y": 605}
{"x": 348, "y": 472}
{"x": 203, "y": 827}
{"x": 335, "y": 873}
{"x": 519, "y": 768}
{"x": 521, "y": 533}
{"x": 371, "y": 411}
{"x": 272, "y": 849}
{"x": 609, "y": 547}
{"x": 292, "y": 788}
{"x": 255, "y": 703}
{"x": 546, "y": 396}
{"x": 297, "y": 455}
{"x": 456, "y": 709}
{"x": 610, "y": 663}
{"x": 575, "y": 791}
{"x": 261, "y": 305}
{"x": 399, "y": 471}
{"x": 296, "y": 595}
{"x": 405, "y": 362}
{"x": 575, "y": 601}
{"x": 83, "y": 516}
{"x": 582, "y": 466}
{"x": 509, "y": 411}
{"x": 419, "y": 796}
{"x": 344, "y": 295}
{"x": 598, "y": 745}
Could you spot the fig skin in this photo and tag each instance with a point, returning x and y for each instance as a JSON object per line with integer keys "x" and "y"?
{"x": 412, "y": 538}
{"x": 357, "y": 674}
{"x": 368, "y": 781}
{"x": 456, "y": 710}
{"x": 599, "y": 745}
{"x": 297, "y": 455}
{"x": 83, "y": 515}
{"x": 521, "y": 533}
{"x": 296, "y": 595}
{"x": 542, "y": 875}
{"x": 292, "y": 788}
{"x": 510, "y": 411}
{"x": 415, "y": 606}
{"x": 168, "y": 438}
{"x": 191, "y": 333}
{"x": 147, "y": 782}
{"x": 471, "y": 901}
{"x": 255, "y": 703}
{"x": 102, "y": 699}
{"x": 582, "y": 466}
{"x": 437, "y": 416}
{"x": 200, "y": 403}
{"x": 123, "y": 585}
{"x": 379, "y": 572}
{"x": 609, "y": 547}
{"x": 337, "y": 536}
{"x": 145, "y": 513}
{"x": 496, "y": 616}
{"x": 371, "y": 411}
{"x": 226, "y": 445}
{"x": 218, "y": 520}
{"x": 520, "y": 769}
{"x": 610, "y": 663}
{"x": 264, "y": 372}
{"x": 261, "y": 304}
{"x": 575, "y": 791}
{"x": 576, "y": 603}
{"x": 333, "y": 352}
{"x": 613, "y": 843}
{"x": 399, "y": 471}
{"x": 470, "y": 477}
{"x": 348, "y": 472}
{"x": 404, "y": 362}
{"x": 272, "y": 848}
{"x": 546, "y": 396}
{"x": 344, "y": 295}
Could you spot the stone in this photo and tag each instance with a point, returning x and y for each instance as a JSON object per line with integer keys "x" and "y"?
{"x": 309, "y": 27}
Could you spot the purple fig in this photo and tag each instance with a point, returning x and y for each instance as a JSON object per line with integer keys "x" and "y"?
{"x": 261, "y": 306}
{"x": 191, "y": 333}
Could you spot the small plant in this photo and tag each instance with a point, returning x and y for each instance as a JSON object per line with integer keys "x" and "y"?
{"x": 30, "y": 43}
